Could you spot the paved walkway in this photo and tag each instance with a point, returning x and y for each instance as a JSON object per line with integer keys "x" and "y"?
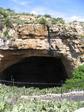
{"x": 71, "y": 96}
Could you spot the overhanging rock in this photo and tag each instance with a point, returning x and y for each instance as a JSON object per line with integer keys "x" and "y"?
{"x": 38, "y": 40}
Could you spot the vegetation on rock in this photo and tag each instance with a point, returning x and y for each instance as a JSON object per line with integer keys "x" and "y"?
{"x": 47, "y": 15}
{"x": 58, "y": 21}
{"x": 82, "y": 36}
{"x": 13, "y": 19}
{"x": 77, "y": 80}
{"x": 5, "y": 22}
{"x": 43, "y": 21}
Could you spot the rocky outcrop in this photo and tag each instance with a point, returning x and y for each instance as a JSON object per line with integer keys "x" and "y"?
{"x": 39, "y": 40}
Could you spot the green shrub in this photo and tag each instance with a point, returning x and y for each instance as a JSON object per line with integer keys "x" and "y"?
{"x": 47, "y": 16}
{"x": 77, "y": 80}
{"x": 54, "y": 21}
{"x": 8, "y": 23}
{"x": 82, "y": 36}
{"x": 10, "y": 11}
{"x": 2, "y": 106}
{"x": 5, "y": 14}
{"x": 78, "y": 73}
{"x": 6, "y": 34}
{"x": 57, "y": 21}
{"x": 42, "y": 21}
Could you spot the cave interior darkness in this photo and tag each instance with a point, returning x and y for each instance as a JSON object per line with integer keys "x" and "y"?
{"x": 37, "y": 70}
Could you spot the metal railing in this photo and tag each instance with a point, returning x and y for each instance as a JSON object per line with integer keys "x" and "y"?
{"x": 27, "y": 83}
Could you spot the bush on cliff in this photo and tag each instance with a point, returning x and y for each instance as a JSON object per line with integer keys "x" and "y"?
{"x": 42, "y": 21}
{"x": 77, "y": 80}
{"x": 47, "y": 16}
{"x": 82, "y": 36}
{"x": 3, "y": 12}
{"x": 58, "y": 21}
{"x": 6, "y": 18}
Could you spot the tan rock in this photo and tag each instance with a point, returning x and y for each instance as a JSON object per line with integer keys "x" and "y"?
{"x": 33, "y": 31}
{"x": 37, "y": 40}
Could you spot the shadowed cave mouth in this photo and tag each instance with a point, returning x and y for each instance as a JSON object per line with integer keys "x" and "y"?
{"x": 36, "y": 71}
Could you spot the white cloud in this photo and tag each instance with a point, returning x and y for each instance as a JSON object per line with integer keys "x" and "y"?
{"x": 43, "y": 10}
{"x": 21, "y": 2}
{"x": 73, "y": 18}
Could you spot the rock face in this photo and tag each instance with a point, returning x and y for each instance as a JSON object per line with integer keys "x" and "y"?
{"x": 39, "y": 40}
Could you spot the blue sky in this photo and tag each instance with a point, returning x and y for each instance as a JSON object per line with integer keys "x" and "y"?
{"x": 68, "y": 9}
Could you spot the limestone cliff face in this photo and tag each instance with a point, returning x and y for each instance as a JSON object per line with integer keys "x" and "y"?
{"x": 39, "y": 40}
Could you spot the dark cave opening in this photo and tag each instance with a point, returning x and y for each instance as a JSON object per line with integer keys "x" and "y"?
{"x": 36, "y": 71}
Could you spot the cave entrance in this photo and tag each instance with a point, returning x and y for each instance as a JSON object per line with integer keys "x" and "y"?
{"x": 36, "y": 71}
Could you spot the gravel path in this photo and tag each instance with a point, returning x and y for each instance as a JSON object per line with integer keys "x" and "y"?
{"x": 71, "y": 96}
